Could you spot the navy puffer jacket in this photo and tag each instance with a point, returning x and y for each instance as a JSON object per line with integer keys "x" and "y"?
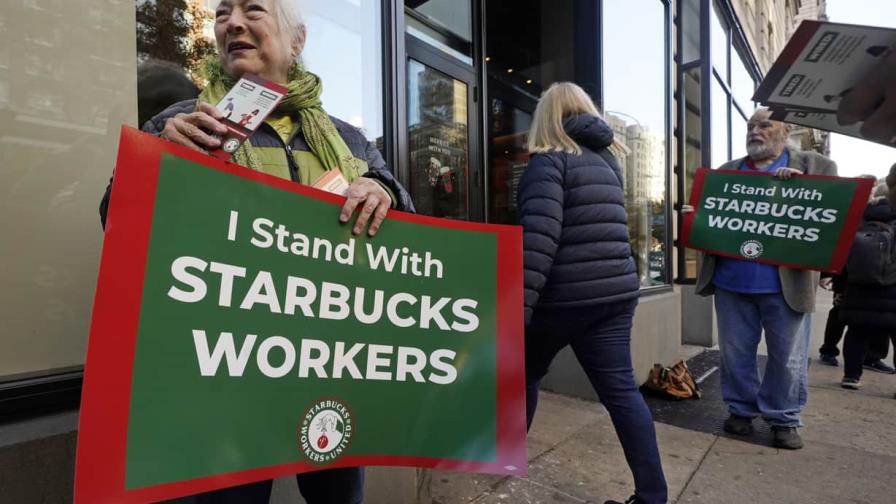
{"x": 576, "y": 249}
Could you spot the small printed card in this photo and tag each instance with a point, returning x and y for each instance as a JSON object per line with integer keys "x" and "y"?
{"x": 332, "y": 181}
{"x": 245, "y": 107}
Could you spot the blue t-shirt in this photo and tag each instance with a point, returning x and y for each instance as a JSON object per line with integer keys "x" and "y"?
{"x": 750, "y": 277}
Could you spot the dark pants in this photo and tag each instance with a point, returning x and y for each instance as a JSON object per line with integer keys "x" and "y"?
{"x": 864, "y": 344}
{"x": 833, "y": 331}
{"x": 331, "y": 486}
{"x": 600, "y": 336}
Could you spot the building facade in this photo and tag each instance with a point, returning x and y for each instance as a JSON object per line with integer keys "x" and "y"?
{"x": 445, "y": 88}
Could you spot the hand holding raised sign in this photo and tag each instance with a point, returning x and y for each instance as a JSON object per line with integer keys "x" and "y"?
{"x": 786, "y": 173}
{"x": 873, "y": 100}
{"x": 373, "y": 200}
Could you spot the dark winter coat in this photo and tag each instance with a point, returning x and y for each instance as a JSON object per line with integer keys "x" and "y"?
{"x": 266, "y": 140}
{"x": 865, "y": 305}
{"x": 576, "y": 249}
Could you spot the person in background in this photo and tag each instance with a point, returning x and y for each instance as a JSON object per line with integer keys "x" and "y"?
{"x": 159, "y": 84}
{"x": 298, "y": 142}
{"x": 581, "y": 286}
{"x": 752, "y": 298}
{"x": 869, "y": 310}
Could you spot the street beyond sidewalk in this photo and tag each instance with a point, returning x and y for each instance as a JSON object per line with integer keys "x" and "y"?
{"x": 575, "y": 457}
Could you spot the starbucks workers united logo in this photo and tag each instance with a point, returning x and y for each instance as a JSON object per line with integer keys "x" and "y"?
{"x": 751, "y": 249}
{"x": 325, "y": 431}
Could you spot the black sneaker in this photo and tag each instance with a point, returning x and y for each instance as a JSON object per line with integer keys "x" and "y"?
{"x": 738, "y": 425}
{"x": 786, "y": 437}
{"x": 631, "y": 500}
{"x": 879, "y": 366}
{"x": 830, "y": 360}
{"x": 851, "y": 383}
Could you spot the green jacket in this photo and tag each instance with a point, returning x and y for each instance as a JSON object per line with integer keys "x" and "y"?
{"x": 797, "y": 286}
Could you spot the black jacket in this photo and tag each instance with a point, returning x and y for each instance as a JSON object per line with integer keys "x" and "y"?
{"x": 866, "y": 305}
{"x": 576, "y": 249}
{"x": 265, "y": 136}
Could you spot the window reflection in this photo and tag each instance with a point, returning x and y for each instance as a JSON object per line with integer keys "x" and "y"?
{"x": 444, "y": 24}
{"x": 67, "y": 84}
{"x": 438, "y": 141}
{"x": 635, "y": 98}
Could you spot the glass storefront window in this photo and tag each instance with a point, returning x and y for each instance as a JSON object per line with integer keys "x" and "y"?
{"x": 742, "y": 84}
{"x": 520, "y": 64}
{"x": 720, "y": 130}
{"x": 67, "y": 84}
{"x": 738, "y": 134}
{"x": 438, "y": 142}
{"x": 635, "y": 97}
{"x": 344, "y": 48}
{"x": 720, "y": 46}
{"x": 693, "y": 149}
{"x": 444, "y": 24}
{"x": 534, "y": 43}
{"x": 690, "y": 27}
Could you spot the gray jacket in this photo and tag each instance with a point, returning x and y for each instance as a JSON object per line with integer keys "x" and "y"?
{"x": 797, "y": 286}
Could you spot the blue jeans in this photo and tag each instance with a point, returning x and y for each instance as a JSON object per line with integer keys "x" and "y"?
{"x": 600, "y": 336}
{"x": 779, "y": 396}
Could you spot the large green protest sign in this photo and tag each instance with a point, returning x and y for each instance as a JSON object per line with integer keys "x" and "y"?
{"x": 240, "y": 332}
{"x": 806, "y": 222}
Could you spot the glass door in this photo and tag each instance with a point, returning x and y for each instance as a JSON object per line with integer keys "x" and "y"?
{"x": 442, "y": 131}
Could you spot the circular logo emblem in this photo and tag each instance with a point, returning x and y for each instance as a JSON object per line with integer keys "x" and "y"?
{"x": 325, "y": 431}
{"x": 751, "y": 249}
{"x": 231, "y": 145}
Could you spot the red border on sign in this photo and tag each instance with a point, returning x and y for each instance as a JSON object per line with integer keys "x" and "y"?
{"x": 102, "y": 437}
{"x": 844, "y": 241}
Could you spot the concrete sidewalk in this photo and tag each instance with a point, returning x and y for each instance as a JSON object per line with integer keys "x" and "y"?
{"x": 575, "y": 457}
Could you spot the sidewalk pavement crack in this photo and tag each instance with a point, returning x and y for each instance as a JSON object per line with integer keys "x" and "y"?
{"x": 696, "y": 469}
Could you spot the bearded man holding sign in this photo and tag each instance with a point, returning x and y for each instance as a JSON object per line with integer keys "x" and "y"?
{"x": 751, "y": 296}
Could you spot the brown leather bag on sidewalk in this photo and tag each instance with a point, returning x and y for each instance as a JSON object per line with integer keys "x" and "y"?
{"x": 675, "y": 381}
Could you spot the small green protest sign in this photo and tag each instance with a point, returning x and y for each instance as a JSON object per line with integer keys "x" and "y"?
{"x": 806, "y": 222}
{"x": 240, "y": 333}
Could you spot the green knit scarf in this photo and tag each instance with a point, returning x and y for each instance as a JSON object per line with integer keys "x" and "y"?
{"x": 302, "y": 102}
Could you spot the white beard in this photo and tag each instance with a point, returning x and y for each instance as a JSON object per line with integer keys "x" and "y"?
{"x": 760, "y": 151}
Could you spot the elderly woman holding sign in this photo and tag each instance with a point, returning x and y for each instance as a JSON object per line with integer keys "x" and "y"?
{"x": 298, "y": 141}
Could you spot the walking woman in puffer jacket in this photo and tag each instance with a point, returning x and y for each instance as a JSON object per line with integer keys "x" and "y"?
{"x": 581, "y": 286}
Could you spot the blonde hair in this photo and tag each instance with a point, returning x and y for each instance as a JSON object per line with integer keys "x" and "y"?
{"x": 559, "y": 101}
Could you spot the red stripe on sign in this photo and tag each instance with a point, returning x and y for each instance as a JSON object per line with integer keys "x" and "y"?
{"x": 511, "y": 365}
{"x": 696, "y": 192}
{"x": 102, "y": 431}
